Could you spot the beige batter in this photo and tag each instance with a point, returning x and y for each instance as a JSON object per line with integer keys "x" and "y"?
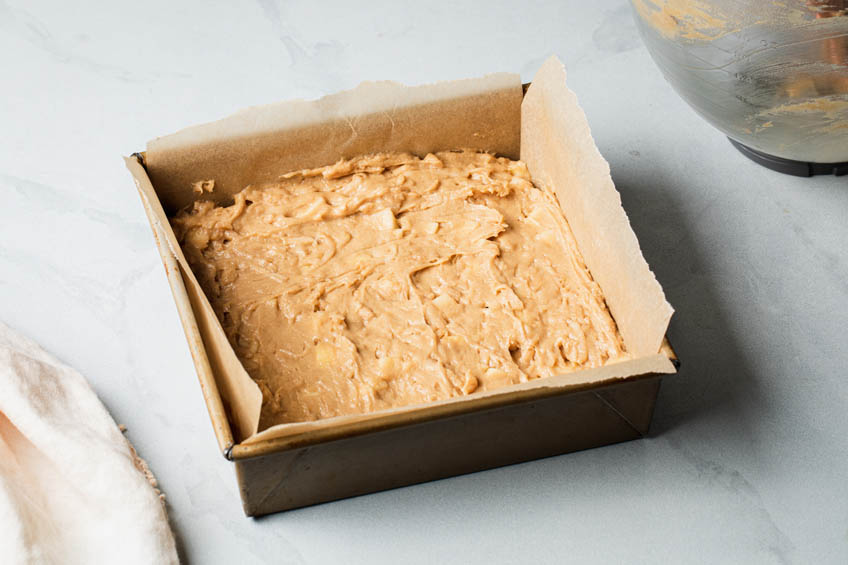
{"x": 390, "y": 280}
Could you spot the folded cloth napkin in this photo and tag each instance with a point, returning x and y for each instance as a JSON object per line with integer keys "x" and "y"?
{"x": 71, "y": 489}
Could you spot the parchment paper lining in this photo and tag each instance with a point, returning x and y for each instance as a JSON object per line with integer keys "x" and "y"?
{"x": 547, "y": 129}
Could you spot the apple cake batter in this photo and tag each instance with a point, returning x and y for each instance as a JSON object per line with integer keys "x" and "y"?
{"x": 391, "y": 280}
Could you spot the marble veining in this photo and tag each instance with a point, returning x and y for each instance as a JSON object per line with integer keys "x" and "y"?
{"x": 747, "y": 458}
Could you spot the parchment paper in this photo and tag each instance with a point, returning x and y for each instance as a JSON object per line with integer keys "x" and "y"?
{"x": 259, "y": 144}
{"x": 239, "y": 392}
{"x": 557, "y": 146}
{"x": 548, "y": 130}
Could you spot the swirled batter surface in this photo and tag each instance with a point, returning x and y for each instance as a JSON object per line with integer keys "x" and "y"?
{"x": 391, "y": 280}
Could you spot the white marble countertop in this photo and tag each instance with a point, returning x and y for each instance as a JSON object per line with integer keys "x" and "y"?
{"x": 748, "y": 457}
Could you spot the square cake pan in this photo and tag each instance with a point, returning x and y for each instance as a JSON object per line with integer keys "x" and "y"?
{"x": 349, "y": 457}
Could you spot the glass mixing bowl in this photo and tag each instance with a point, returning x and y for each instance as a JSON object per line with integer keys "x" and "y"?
{"x": 772, "y": 75}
